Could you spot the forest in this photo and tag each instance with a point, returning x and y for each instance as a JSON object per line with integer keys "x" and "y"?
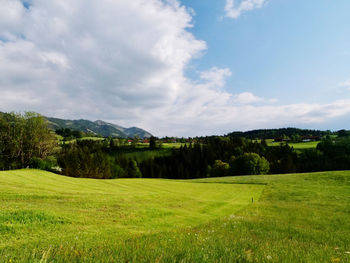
{"x": 280, "y": 133}
{"x": 26, "y": 141}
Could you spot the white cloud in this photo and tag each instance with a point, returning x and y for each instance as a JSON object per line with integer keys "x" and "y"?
{"x": 250, "y": 98}
{"x": 121, "y": 57}
{"x": 11, "y": 14}
{"x": 216, "y": 77}
{"x": 345, "y": 84}
{"x": 234, "y": 9}
{"x": 125, "y": 61}
{"x": 247, "y": 98}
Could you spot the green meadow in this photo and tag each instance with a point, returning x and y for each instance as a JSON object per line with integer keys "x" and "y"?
{"x": 304, "y": 145}
{"x": 45, "y": 217}
{"x": 297, "y": 146}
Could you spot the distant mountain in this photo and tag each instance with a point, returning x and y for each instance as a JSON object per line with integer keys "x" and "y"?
{"x": 98, "y": 127}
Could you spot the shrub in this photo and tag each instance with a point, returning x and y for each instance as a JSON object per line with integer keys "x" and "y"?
{"x": 41, "y": 164}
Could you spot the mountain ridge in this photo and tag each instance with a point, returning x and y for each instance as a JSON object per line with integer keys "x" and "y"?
{"x": 98, "y": 127}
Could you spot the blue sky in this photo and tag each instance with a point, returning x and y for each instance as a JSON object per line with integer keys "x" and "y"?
{"x": 293, "y": 50}
{"x": 179, "y": 67}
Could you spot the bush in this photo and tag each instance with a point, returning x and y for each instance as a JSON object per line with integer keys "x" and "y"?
{"x": 119, "y": 172}
{"x": 41, "y": 164}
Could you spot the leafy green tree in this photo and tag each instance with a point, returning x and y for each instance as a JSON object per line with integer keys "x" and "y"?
{"x": 119, "y": 172}
{"x": 220, "y": 169}
{"x": 85, "y": 159}
{"x": 24, "y": 137}
{"x": 251, "y": 163}
{"x": 39, "y": 139}
{"x": 133, "y": 170}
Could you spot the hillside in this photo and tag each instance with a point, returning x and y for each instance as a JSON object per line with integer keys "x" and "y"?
{"x": 98, "y": 127}
{"x": 293, "y": 218}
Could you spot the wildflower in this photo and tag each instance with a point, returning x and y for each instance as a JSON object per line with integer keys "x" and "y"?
{"x": 335, "y": 259}
{"x": 269, "y": 257}
{"x": 347, "y": 252}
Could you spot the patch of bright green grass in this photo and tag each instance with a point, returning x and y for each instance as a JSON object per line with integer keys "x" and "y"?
{"x": 304, "y": 145}
{"x": 91, "y": 139}
{"x": 297, "y": 146}
{"x": 176, "y": 145}
{"x": 84, "y": 139}
{"x": 294, "y": 218}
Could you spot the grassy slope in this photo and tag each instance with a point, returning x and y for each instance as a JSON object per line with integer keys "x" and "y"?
{"x": 47, "y": 209}
{"x": 299, "y": 218}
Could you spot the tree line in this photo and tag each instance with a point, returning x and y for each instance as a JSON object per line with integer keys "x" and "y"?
{"x": 279, "y": 133}
{"x": 209, "y": 157}
{"x": 26, "y": 141}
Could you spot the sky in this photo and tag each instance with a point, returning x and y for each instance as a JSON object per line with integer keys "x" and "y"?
{"x": 179, "y": 67}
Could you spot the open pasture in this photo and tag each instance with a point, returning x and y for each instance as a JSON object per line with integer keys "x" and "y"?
{"x": 297, "y": 146}
{"x": 304, "y": 145}
{"x": 294, "y": 218}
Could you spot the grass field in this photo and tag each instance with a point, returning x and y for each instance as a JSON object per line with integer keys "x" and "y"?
{"x": 297, "y": 146}
{"x": 173, "y": 145}
{"x": 304, "y": 145}
{"x": 294, "y": 218}
{"x": 176, "y": 145}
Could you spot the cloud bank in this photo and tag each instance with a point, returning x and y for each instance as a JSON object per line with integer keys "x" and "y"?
{"x": 125, "y": 61}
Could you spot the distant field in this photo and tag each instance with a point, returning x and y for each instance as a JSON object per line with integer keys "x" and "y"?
{"x": 164, "y": 145}
{"x": 297, "y": 146}
{"x": 304, "y": 145}
{"x": 294, "y": 218}
{"x": 173, "y": 145}
{"x": 92, "y": 139}
{"x": 82, "y": 139}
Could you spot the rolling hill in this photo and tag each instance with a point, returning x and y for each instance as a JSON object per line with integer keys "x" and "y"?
{"x": 46, "y": 217}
